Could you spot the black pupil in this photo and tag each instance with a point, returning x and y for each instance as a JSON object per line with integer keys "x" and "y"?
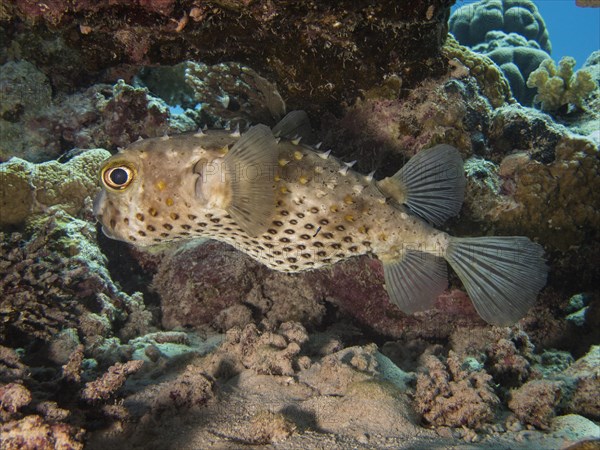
{"x": 118, "y": 176}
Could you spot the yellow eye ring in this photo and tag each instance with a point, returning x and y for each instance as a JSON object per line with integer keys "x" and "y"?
{"x": 117, "y": 177}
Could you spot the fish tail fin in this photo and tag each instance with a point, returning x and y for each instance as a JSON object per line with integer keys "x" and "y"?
{"x": 432, "y": 184}
{"x": 502, "y": 275}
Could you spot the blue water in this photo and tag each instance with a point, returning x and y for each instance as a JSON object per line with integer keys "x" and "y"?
{"x": 574, "y": 31}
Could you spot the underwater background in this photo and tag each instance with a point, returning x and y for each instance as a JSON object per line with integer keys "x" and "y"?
{"x": 198, "y": 345}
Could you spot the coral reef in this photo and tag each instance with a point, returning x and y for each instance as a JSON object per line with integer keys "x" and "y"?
{"x": 449, "y": 395}
{"x": 27, "y": 188}
{"x": 491, "y": 80}
{"x": 238, "y": 90}
{"x": 560, "y": 86}
{"x": 535, "y": 402}
{"x": 32, "y": 432}
{"x": 104, "y": 387}
{"x": 584, "y": 378}
{"x": 471, "y": 23}
{"x": 100, "y": 116}
{"x": 318, "y": 54}
{"x": 511, "y": 33}
{"x": 199, "y": 345}
{"x": 517, "y": 64}
{"x": 381, "y": 133}
{"x": 55, "y": 278}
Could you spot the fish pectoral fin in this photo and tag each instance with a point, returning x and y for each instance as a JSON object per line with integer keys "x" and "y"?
{"x": 502, "y": 274}
{"x": 250, "y": 165}
{"x": 432, "y": 184}
{"x": 415, "y": 280}
{"x": 295, "y": 125}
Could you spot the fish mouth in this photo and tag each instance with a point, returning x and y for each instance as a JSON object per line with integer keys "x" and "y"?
{"x": 108, "y": 234}
{"x": 98, "y": 203}
{"x": 97, "y": 210}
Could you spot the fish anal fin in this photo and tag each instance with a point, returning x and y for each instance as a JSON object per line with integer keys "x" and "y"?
{"x": 414, "y": 280}
{"x": 250, "y": 168}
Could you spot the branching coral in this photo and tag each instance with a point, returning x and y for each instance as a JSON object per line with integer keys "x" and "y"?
{"x": 558, "y": 87}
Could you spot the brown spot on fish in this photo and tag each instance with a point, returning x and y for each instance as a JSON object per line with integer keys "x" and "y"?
{"x": 140, "y": 217}
{"x": 174, "y": 216}
{"x": 167, "y": 226}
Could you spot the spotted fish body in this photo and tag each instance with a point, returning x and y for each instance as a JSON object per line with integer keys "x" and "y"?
{"x": 294, "y": 208}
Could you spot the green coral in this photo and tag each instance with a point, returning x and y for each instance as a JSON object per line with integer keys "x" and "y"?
{"x": 28, "y": 188}
{"x": 558, "y": 87}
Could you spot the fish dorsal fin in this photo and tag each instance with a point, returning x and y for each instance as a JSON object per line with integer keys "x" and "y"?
{"x": 415, "y": 280}
{"x": 250, "y": 166}
{"x": 431, "y": 184}
{"x": 293, "y": 126}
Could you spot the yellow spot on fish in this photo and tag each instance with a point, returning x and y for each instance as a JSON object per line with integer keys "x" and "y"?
{"x": 298, "y": 155}
{"x": 223, "y": 150}
{"x": 283, "y": 162}
{"x": 283, "y": 190}
{"x": 153, "y": 212}
{"x": 348, "y": 199}
{"x": 333, "y": 208}
{"x": 303, "y": 179}
{"x": 382, "y": 237}
{"x": 318, "y": 169}
{"x": 349, "y": 218}
{"x": 277, "y": 178}
{"x": 174, "y": 216}
{"x": 169, "y": 201}
{"x": 362, "y": 229}
{"x": 160, "y": 185}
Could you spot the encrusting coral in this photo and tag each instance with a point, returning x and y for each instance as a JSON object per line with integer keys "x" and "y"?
{"x": 560, "y": 86}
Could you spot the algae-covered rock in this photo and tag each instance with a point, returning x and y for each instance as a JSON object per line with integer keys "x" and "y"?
{"x": 28, "y": 188}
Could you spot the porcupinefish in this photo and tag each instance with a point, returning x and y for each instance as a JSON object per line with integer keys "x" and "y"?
{"x": 293, "y": 207}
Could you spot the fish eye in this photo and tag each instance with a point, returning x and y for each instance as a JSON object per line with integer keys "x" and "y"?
{"x": 117, "y": 177}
